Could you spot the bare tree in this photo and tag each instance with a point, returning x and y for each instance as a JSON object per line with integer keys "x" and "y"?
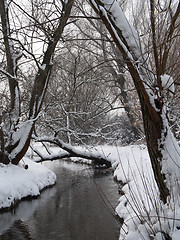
{"x": 151, "y": 83}
{"x": 15, "y": 134}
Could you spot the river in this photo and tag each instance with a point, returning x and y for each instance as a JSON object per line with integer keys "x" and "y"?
{"x": 73, "y": 209}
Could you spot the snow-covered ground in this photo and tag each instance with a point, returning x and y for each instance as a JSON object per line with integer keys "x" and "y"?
{"x": 16, "y": 182}
{"x": 145, "y": 216}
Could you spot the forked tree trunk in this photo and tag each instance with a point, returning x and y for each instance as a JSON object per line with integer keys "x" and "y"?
{"x": 14, "y": 147}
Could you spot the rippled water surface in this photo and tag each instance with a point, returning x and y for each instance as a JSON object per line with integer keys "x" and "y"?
{"x": 71, "y": 210}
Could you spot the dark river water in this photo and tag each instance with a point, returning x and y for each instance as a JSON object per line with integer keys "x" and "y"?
{"x": 71, "y": 210}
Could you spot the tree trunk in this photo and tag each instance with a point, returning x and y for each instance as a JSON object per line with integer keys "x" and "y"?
{"x": 151, "y": 106}
{"x": 154, "y": 133}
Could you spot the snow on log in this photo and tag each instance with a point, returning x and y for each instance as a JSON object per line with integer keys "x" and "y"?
{"x": 71, "y": 151}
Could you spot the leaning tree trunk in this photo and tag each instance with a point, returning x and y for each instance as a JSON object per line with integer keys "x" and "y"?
{"x": 128, "y": 42}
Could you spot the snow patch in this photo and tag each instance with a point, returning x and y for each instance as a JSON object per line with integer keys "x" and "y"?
{"x": 43, "y": 67}
{"x": 17, "y": 183}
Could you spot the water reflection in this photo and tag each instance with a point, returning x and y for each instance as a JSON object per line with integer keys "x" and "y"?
{"x": 18, "y": 231}
{"x": 24, "y": 210}
{"x": 71, "y": 210}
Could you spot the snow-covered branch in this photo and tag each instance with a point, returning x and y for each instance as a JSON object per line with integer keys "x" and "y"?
{"x": 51, "y": 157}
{"x": 127, "y": 40}
{"x": 71, "y": 151}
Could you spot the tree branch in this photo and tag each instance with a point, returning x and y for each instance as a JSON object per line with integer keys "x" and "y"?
{"x": 169, "y": 38}
{"x": 155, "y": 50}
{"x": 42, "y": 77}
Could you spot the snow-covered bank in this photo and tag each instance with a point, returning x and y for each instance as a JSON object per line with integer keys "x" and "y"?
{"x": 16, "y": 182}
{"x": 145, "y": 216}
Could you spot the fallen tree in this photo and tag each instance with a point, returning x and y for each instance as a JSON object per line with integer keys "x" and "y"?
{"x": 70, "y": 151}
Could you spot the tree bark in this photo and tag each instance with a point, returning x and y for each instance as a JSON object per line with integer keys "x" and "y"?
{"x": 154, "y": 133}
